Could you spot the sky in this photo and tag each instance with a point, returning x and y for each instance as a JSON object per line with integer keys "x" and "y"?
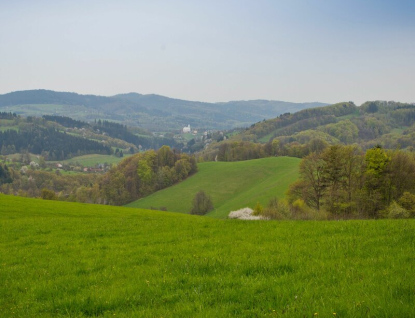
{"x": 213, "y": 51}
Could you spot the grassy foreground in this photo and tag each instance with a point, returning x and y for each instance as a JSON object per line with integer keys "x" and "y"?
{"x": 232, "y": 185}
{"x": 76, "y": 260}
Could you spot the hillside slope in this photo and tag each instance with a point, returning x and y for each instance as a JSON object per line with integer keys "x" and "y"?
{"x": 63, "y": 259}
{"x": 232, "y": 185}
{"x": 388, "y": 124}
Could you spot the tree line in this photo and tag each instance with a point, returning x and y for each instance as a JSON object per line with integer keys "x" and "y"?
{"x": 8, "y": 115}
{"x": 345, "y": 181}
{"x": 247, "y": 150}
{"x": 145, "y": 173}
{"x": 66, "y": 121}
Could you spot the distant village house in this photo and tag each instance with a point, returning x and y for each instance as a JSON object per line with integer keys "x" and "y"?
{"x": 186, "y": 129}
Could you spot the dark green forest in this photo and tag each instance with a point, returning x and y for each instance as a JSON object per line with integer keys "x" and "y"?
{"x": 50, "y": 142}
{"x": 59, "y": 137}
{"x": 115, "y": 130}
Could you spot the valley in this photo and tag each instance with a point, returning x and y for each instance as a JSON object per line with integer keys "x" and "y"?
{"x": 207, "y": 159}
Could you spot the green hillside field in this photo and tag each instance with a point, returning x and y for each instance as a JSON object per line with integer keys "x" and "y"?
{"x": 93, "y": 159}
{"x": 60, "y": 259}
{"x": 232, "y": 185}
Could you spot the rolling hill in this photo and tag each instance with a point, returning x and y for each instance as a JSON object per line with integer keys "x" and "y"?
{"x": 388, "y": 124}
{"x": 232, "y": 185}
{"x": 375, "y": 122}
{"x": 153, "y": 112}
{"x": 62, "y": 259}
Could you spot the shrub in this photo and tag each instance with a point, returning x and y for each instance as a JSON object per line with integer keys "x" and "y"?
{"x": 301, "y": 211}
{"x": 395, "y": 211}
{"x": 407, "y": 201}
{"x": 258, "y": 209}
{"x": 202, "y": 204}
{"x": 277, "y": 210}
{"x": 47, "y": 194}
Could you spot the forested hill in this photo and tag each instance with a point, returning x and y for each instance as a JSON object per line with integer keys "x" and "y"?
{"x": 344, "y": 121}
{"x": 59, "y": 138}
{"x": 388, "y": 124}
{"x": 153, "y": 112}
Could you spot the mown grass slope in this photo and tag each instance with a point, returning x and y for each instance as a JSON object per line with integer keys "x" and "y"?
{"x": 75, "y": 260}
{"x": 232, "y": 185}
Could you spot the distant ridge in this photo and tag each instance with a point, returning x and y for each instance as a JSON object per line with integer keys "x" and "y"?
{"x": 151, "y": 111}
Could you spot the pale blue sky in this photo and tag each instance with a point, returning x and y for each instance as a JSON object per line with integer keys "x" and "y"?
{"x": 327, "y": 50}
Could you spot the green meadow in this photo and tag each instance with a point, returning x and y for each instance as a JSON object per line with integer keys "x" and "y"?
{"x": 6, "y": 124}
{"x": 231, "y": 185}
{"x": 93, "y": 159}
{"x": 61, "y": 259}
{"x": 41, "y": 109}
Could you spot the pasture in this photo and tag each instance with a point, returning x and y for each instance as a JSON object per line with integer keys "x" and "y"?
{"x": 232, "y": 185}
{"x": 61, "y": 259}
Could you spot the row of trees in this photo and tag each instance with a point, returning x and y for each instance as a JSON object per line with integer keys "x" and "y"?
{"x": 246, "y": 150}
{"x": 8, "y": 115}
{"x": 345, "y": 181}
{"x": 66, "y": 121}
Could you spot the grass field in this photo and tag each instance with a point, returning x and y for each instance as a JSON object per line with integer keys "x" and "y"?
{"x": 41, "y": 109}
{"x": 4, "y": 128}
{"x": 266, "y": 138}
{"x": 232, "y": 185}
{"x": 76, "y": 260}
{"x": 6, "y": 124}
{"x": 93, "y": 159}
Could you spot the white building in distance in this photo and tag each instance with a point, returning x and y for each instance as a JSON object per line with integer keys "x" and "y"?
{"x": 186, "y": 129}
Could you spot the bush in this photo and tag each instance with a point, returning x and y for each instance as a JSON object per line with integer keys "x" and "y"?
{"x": 301, "y": 211}
{"x": 277, "y": 210}
{"x": 395, "y": 211}
{"x": 407, "y": 201}
{"x": 258, "y": 209}
{"x": 47, "y": 194}
{"x": 202, "y": 204}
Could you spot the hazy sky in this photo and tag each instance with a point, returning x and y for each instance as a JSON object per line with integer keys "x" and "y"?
{"x": 315, "y": 50}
